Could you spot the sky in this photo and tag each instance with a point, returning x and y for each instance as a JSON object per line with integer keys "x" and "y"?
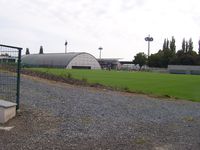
{"x": 118, "y": 26}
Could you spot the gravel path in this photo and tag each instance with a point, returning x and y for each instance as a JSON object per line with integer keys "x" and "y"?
{"x": 61, "y": 116}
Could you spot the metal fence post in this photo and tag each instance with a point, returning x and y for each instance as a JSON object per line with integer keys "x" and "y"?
{"x": 18, "y": 77}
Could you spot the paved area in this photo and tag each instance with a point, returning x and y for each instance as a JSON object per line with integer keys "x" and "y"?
{"x": 60, "y": 116}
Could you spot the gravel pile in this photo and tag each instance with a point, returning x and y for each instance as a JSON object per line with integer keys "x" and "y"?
{"x": 60, "y": 116}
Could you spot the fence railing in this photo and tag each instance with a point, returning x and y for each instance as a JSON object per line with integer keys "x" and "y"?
{"x": 10, "y": 66}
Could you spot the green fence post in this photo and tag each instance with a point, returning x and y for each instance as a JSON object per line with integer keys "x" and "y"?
{"x": 18, "y": 77}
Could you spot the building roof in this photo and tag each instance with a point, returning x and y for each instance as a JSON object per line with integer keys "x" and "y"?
{"x": 126, "y": 62}
{"x": 108, "y": 59}
{"x": 52, "y": 59}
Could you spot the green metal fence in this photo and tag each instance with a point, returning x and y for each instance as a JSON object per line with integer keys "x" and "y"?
{"x": 10, "y": 65}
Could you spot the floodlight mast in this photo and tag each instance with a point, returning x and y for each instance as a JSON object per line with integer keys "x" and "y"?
{"x": 100, "y": 49}
{"x": 66, "y": 46}
{"x": 149, "y": 39}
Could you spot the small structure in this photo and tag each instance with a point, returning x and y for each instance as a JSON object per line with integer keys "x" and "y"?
{"x": 7, "y": 59}
{"x": 184, "y": 69}
{"x": 109, "y": 63}
{"x": 7, "y": 111}
{"x": 70, "y": 60}
{"x": 129, "y": 65}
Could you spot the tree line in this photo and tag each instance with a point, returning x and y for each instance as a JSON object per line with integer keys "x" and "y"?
{"x": 169, "y": 56}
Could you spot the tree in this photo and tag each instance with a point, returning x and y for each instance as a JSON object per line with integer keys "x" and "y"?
{"x": 6, "y": 55}
{"x": 156, "y": 60}
{"x": 183, "y": 45}
{"x": 27, "y": 51}
{"x": 186, "y": 46}
{"x": 41, "y": 50}
{"x": 190, "y": 46}
{"x": 168, "y": 53}
{"x": 165, "y": 44}
{"x": 199, "y": 47}
{"x": 182, "y": 58}
{"x": 173, "y": 45}
{"x": 140, "y": 59}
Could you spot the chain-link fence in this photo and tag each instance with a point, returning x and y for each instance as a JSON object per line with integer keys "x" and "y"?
{"x": 10, "y": 64}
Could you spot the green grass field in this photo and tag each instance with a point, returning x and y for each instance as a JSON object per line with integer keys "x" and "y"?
{"x": 165, "y": 85}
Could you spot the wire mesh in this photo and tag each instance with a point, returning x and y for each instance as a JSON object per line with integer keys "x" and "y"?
{"x": 8, "y": 73}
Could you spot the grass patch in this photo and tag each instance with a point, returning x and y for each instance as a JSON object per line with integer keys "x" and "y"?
{"x": 157, "y": 84}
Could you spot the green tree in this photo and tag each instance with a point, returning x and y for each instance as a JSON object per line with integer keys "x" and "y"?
{"x": 156, "y": 60}
{"x": 41, "y": 50}
{"x": 190, "y": 46}
{"x": 141, "y": 59}
{"x": 165, "y": 44}
{"x": 199, "y": 47}
{"x": 173, "y": 45}
{"x": 182, "y": 58}
{"x": 27, "y": 51}
{"x": 183, "y": 45}
{"x": 168, "y": 55}
{"x": 186, "y": 46}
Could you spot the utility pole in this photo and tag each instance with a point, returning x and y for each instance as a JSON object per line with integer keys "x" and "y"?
{"x": 149, "y": 39}
{"x": 66, "y": 46}
{"x": 100, "y": 49}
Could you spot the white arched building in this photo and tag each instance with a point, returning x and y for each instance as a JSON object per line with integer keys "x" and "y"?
{"x": 61, "y": 60}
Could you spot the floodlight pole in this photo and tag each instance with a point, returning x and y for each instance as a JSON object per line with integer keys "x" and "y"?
{"x": 100, "y": 49}
{"x": 149, "y": 39}
{"x": 66, "y": 46}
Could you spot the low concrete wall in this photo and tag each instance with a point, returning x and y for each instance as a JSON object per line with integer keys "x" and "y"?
{"x": 159, "y": 70}
{"x": 7, "y": 111}
{"x": 184, "y": 69}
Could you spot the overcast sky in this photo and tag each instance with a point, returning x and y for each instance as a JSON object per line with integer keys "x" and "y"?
{"x": 119, "y": 26}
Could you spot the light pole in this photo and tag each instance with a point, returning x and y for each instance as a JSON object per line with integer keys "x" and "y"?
{"x": 66, "y": 46}
{"x": 149, "y": 39}
{"x": 100, "y": 49}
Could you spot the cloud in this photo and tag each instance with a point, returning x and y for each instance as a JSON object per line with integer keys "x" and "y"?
{"x": 118, "y": 25}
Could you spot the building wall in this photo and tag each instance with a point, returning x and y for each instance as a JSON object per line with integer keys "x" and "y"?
{"x": 84, "y": 60}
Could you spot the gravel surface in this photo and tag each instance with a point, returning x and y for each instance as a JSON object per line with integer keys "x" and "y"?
{"x": 60, "y": 116}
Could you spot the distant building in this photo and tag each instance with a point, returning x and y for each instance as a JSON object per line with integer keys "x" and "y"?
{"x": 126, "y": 62}
{"x": 129, "y": 65}
{"x": 109, "y": 63}
{"x": 7, "y": 59}
{"x": 70, "y": 60}
{"x": 114, "y": 63}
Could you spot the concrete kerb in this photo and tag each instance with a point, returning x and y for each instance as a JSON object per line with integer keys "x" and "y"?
{"x": 7, "y": 110}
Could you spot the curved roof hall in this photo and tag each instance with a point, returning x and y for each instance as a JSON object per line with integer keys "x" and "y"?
{"x": 51, "y": 59}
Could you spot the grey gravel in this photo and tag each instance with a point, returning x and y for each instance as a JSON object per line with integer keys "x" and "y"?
{"x": 60, "y": 116}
